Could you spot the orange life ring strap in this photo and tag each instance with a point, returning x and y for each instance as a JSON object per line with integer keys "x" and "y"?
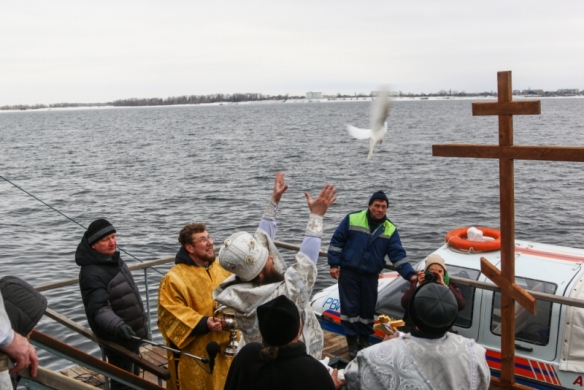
{"x": 457, "y": 239}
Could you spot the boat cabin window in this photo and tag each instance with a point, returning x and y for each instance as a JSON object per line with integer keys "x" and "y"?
{"x": 534, "y": 329}
{"x": 389, "y": 299}
{"x": 464, "y": 319}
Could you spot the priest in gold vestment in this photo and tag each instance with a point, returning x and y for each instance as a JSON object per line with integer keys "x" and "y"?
{"x": 185, "y": 312}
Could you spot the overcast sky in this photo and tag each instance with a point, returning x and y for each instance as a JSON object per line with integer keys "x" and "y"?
{"x": 99, "y": 51}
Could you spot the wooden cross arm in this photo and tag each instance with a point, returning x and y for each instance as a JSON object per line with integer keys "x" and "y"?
{"x": 525, "y": 107}
{"x": 548, "y": 153}
{"x": 512, "y": 289}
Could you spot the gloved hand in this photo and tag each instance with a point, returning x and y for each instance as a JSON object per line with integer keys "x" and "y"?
{"x": 125, "y": 333}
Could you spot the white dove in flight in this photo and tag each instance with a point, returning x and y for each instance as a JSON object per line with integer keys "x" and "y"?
{"x": 379, "y": 112}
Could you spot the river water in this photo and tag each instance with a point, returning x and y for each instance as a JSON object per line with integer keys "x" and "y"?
{"x": 151, "y": 170}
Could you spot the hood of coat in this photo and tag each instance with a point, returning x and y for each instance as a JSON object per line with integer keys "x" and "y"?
{"x": 24, "y": 305}
{"x": 182, "y": 257}
{"x": 85, "y": 255}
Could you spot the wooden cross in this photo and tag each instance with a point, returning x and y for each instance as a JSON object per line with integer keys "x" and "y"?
{"x": 506, "y": 152}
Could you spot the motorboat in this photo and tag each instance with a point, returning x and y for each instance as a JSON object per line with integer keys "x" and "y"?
{"x": 549, "y": 345}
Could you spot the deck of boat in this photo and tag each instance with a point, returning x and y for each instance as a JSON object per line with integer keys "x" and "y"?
{"x": 151, "y": 353}
{"x": 334, "y": 346}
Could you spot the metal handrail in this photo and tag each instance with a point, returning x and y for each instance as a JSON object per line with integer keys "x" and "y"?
{"x": 160, "y": 373}
{"x": 77, "y": 356}
{"x": 73, "y": 281}
{"x": 83, "y": 331}
{"x": 472, "y": 283}
{"x": 285, "y": 245}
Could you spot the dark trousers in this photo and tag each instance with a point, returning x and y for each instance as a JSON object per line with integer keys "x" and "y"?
{"x": 358, "y": 295}
{"x": 123, "y": 363}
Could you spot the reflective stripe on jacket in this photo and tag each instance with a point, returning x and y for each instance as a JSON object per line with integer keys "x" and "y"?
{"x": 354, "y": 247}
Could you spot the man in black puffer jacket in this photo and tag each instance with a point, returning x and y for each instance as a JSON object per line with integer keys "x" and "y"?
{"x": 111, "y": 298}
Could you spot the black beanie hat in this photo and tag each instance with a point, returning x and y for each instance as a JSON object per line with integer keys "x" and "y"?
{"x": 279, "y": 321}
{"x": 98, "y": 229}
{"x": 379, "y": 195}
{"x": 433, "y": 309}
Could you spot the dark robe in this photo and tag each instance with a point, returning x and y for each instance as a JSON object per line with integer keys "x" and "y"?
{"x": 292, "y": 369}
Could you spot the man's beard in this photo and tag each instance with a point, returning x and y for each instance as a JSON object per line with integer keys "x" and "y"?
{"x": 270, "y": 276}
{"x": 207, "y": 258}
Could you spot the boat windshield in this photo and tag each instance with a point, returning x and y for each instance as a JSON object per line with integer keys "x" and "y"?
{"x": 530, "y": 328}
{"x": 389, "y": 299}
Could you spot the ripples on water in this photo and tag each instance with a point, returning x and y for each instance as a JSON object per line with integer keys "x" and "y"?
{"x": 151, "y": 170}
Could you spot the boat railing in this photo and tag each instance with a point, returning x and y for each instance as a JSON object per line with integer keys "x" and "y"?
{"x": 471, "y": 283}
{"x": 81, "y": 358}
{"x": 161, "y": 373}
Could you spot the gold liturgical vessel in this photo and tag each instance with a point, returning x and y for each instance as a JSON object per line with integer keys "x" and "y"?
{"x": 228, "y": 325}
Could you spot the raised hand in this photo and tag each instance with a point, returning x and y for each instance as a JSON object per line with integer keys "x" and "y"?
{"x": 320, "y": 205}
{"x": 279, "y": 187}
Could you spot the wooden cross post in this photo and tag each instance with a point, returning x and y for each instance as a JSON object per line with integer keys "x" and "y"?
{"x": 506, "y": 152}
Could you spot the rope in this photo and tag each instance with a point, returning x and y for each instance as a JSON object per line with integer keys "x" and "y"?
{"x": 470, "y": 250}
{"x": 71, "y": 219}
{"x": 452, "y": 248}
{"x": 46, "y": 204}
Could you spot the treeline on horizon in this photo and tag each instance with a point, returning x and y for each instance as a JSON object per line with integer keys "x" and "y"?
{"x": 169, "y": 101}
{"x": 55, "y": 105}
{"x": 200, "y": 99}
{"x": 250, "y": 97}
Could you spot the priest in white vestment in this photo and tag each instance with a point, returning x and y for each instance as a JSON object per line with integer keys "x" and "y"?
{"x": 428, "y": 357}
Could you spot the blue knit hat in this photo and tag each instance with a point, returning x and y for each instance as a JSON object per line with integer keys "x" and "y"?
{"x": 379, "y": 195}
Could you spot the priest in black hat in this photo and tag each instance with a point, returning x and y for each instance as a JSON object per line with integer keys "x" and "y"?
{"x": 427, "y": 358}
{"x": 111, "y": 298}
{"x": 280, "y": 361}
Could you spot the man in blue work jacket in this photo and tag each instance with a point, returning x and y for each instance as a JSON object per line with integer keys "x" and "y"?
{"x": 359, "y": 247}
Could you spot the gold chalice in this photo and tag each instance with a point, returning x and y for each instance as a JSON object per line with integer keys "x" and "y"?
{"x": 228, "y": 324}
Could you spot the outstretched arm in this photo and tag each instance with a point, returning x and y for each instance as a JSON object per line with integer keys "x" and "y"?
{"x": 318, "y": 207}
{"x": 397, "y": 256}
{"x": 268, "y": 221}
{"x": 279, "y": 187}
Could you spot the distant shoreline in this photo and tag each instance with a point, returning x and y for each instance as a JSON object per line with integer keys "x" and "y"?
{"x": 104, "y": 106}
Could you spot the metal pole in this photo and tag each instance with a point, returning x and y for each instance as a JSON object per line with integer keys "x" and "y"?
{"x": 204, "y": 360}
{"x": 147, "y": 302}
{"x": 105, "y": 377}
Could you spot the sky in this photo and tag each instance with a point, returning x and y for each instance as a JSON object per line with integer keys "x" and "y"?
{"x": 99, "y": 51}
